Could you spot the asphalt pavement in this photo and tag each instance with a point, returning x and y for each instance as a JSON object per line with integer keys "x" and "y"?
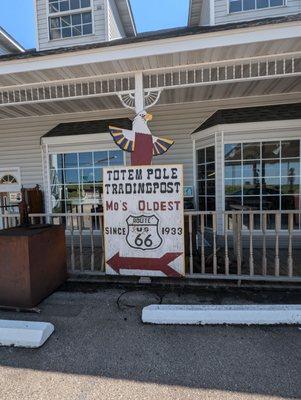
{"x": 101, "y": 350}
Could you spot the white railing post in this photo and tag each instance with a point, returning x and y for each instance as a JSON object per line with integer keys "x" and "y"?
{"x": 290, "y": 244}
{"x": 190, "y": 244}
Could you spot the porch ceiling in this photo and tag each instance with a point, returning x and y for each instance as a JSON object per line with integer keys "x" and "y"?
{"x": 154, "y": 62}
{"x": 270, "y": 91}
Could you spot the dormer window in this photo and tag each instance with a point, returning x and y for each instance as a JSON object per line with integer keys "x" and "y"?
{"x": 66, "y": 21}
{"x": 248, "y": 5}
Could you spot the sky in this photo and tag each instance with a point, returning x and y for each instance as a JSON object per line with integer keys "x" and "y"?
{"x": 17, "y": 17}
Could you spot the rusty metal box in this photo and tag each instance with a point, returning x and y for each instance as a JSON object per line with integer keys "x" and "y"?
{"x": 32, "y": 264}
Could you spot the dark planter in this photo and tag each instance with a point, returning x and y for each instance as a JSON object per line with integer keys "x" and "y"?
{"x": 32, "y": 264}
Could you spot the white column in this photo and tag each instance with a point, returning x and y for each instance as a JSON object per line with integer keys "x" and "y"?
{"x": 139, "y": 92}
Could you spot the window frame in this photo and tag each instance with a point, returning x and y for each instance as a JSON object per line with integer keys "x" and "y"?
{"x": 197, "y": 196}
{"x": 70, "y": 13}
{"x": 266, "y": 140}
{"x": 254, "y": 9}
{"x": 50, "y": 153}
{"x": 11, "y": 187}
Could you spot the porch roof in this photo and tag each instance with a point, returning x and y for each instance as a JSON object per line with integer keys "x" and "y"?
{"x": 155, "y": 35}
{"x": 252, "y": 114}
{"x": 88, "y": 127}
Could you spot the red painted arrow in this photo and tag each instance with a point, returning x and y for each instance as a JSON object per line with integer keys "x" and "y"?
{"x": 150, "y": 264}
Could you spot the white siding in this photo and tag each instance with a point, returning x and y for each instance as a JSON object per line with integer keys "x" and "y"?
{"x": 222, "y": 16}
{"x": 99, "y": 21}
{"x": 205, "y": 13}
{"x": 115, "y": 28}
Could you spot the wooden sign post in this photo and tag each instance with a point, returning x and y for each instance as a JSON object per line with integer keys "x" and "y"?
{"x": 144, "y": 220}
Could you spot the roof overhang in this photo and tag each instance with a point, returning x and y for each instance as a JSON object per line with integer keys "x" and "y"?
{"x": 10, "y": 43}
{"x": 126, "y": 15}
{"x": 157, "y": 47}
{"x": 241, "y": 127}
{"x": 195, "y": 10}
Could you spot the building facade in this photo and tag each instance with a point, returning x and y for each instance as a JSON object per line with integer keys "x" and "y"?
{"x": 227, "y": 88}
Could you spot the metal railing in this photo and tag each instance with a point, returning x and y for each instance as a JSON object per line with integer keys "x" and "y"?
{"x": 237, "y": 245}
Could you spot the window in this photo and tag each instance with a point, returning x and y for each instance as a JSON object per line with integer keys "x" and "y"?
{"x": 246, "y": 5}
{"x": 8, "y": 180}
{"x": 206, "y": 179}
{"x": 263, "y": 176}
{"x": 56, "y": 6}
{"x": 68, "y": 21}
{"x": 76, "y": 180}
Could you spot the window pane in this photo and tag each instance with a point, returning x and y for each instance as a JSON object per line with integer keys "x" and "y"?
{"x": 290, "y": 185}
{"x": 64, "y": 5}
{"x": 54, "y": 22}
{"x": 201, "y": 172}
{"x": 211, "y": 187}
{"x": 248, "y": 5}
{"x": 98, "y": 173}
{"x": 87, "y": 175}
{"x": 270, "y": 186}
{"x": 290, "y": 202}
{"x": 76, "y": 19}
{"x": 251, "y": 187}
{"x": 262, "y": 3}
{"x": 202, "y": 203}
{"x": 232, "y": 170}
{"x": 270, "y": 168}
{"x": 57, "y": 176}
{"x": 58, "y": 206}
{"x": 55, "y": 34}
{"x": 66, "y": 32}
{"x": 210, "y": 203}
{"x": 85, "y": 159}
{"x": 275, "y": 3}
{"x": 70, "y": 160}
{"x": 71, "y": 192}
{"x": 233, "y": 151}
{"x": 54, "y": 7}
{"x": 235, "y": 5}
{"x": 210, "y": 154}
{"x": 290, "y": 148}
{"x": 71, "y": 176}
{"x": 66, "y": 21}
{"x": 252, "y": 202}
{"x": 202, "y": 188}
{"x": 251, "y": 169}
{"x": 85, "y": 3}
{"x": 116, "y": 157}
{"x": 270, "y": 203}
{"x": 290, "y": 167}
{"x": 210, "y": 171}
{"x": 101, "y": 158}
{"x": 77, "y": 31}
{"x": 271, "y": 150}
{"x": 56, "y": 161}
{"x": 233, "y": 203}
{"x": 87, "y": 18}
{"x": 251, "y": 151}
{"x": 233, "y": 187}
{"x": 74, "y": 4}
{"x": 87, "y": 29}
{"x": 201, "y": 156}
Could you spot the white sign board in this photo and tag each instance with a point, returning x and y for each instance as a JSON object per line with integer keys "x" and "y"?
{"x": 144, "y": 220}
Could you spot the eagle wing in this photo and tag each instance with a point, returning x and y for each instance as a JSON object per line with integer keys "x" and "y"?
{"x": 161, "y": 145}
{"x": 124, "y": 138}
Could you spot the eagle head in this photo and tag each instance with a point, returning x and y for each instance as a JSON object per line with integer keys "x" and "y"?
{"x": 140, "y": 122}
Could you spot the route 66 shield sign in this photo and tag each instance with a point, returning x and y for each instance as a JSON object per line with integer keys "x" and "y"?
{"x": 143, "y": 232}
